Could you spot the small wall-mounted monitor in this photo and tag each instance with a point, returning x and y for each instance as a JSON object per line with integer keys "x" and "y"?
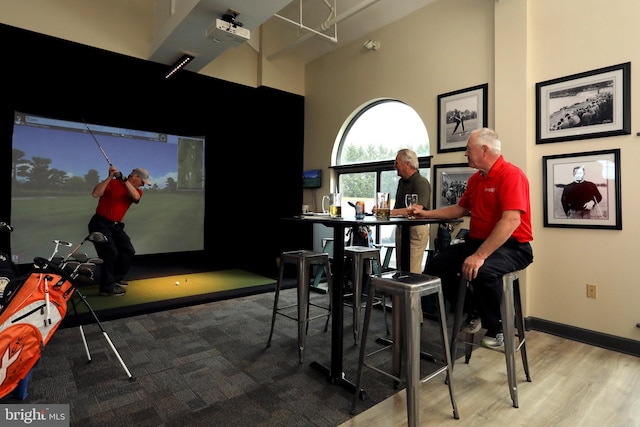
{"x": 312, "y": 178}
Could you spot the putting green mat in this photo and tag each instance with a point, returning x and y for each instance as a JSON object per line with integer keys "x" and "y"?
{"x": 167, "y": 291}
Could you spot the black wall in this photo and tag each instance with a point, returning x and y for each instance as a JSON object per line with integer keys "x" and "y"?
{"x": 254, "y": 137}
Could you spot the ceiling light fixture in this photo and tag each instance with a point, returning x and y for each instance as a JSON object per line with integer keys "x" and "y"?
{"x": 179, "y": 64}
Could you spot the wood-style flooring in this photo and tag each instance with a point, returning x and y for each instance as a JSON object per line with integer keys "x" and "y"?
{"x": 573, "y": 384}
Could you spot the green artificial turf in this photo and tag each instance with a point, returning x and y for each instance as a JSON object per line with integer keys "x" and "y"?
{"x": 171, "y": 288}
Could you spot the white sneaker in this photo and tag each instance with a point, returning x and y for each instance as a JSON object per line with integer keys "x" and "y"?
{"x": 493, "y": 342}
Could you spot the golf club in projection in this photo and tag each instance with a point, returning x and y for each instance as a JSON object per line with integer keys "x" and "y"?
{"x": 119, "y": 174}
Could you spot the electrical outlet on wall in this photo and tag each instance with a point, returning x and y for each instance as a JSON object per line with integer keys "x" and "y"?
{"x": 592, "y": 291}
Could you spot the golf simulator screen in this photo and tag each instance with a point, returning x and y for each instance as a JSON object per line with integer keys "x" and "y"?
{"x": 56, "y": 164}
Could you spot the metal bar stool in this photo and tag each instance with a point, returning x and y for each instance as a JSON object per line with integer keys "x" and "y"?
{"x": 304, "y": 260}
{"x": 388, "y": 252}
{"x": 363, "y": 259}
{"x": 512, "y": 328}
{"x": 407, "y": 289}
{"x": 327, "y": 247}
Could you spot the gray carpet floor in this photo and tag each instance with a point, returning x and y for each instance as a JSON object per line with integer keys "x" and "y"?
{"x": 208, "y": 364}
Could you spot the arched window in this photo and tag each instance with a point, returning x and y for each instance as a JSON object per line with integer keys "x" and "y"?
{"x": 377, "y": 130}
{"x": 365, "y": 150}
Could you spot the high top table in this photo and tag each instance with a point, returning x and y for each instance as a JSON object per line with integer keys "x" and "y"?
{"x": 335, "y": 373}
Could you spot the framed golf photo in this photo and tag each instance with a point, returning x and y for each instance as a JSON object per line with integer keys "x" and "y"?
{"x": 582, "y": 190}
{"x": 450, "y": 183}
{"x": 592, "y": 104}
{"x": 460, "y": 113}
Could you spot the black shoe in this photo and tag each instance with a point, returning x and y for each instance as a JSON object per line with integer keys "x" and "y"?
{"x": 116, "y": 291}
{"x": 122, "y": 284}
{"x": 471, "y": 326}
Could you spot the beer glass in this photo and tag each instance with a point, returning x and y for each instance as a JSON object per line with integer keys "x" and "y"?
{"x": 335, "y": 205}
{"x": 383, "y": 206}
{"x": 410, "y": 200}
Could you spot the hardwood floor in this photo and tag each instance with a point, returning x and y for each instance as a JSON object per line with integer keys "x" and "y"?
{"x": 573, "y": 384}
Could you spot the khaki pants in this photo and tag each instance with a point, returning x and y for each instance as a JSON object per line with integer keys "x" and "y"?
{"x": 419, "y": 236}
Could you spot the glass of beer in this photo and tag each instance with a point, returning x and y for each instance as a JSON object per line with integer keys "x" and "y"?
{"x": 383, "y": 206}
{"x": 335, "y": 204}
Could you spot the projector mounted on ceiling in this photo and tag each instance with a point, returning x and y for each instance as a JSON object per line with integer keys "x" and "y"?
{"x": 228, "y": 29}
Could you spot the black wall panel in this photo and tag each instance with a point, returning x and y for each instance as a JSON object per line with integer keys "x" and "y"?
{"x": 254, "y": 136}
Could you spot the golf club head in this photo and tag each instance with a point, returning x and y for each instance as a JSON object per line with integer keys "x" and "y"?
{"x": 95, "y": 261}
{"x": 80, "y": 280}
{"x": 70, "y": 267}
{"x": 40, "y": 262}
{"x": 96, "y": 237}
{"x": 58, "y": 243}
{"x": 5, "y": 228}
{"x": 81, "y": 257}
{"x": 85, "y": 270}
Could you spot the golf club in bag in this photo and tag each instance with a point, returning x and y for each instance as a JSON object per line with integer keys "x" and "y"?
{"x": 8, "y": 270}
{"x": 33, "y": 306}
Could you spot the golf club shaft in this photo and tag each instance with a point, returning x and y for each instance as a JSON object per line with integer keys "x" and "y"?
{"x": 73, "y": 252}
{"x": 99, "y": 146}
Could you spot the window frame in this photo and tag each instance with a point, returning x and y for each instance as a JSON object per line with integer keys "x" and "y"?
{"x": 378, "y": 167}
{"x": 424, "y": 162}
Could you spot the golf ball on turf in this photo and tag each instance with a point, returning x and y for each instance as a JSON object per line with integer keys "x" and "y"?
{"x": 177, "y": 283}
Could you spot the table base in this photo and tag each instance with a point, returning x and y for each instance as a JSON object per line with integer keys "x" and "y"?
{"x": 341, "y": 381}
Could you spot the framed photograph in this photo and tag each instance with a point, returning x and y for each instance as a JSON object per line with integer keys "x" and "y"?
{"x": 450, "y": 183}
{"x": 460, "y": 113}
{"x": 592, "y": 104}
{"x": 582, "y": 190}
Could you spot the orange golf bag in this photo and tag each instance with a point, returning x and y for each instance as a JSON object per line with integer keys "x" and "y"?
{"x": 33, "y": 306}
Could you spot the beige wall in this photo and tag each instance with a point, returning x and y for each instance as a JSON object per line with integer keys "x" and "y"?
{"x": 128, "y": 27}
{"x": 420, "y": 57}
{"x": 597, "y": 35}
{"x": 121, "y": 26}
{"x": 449, "y": 45}
{"x": 247, "y": 65}
{"x": 512, "y": 45}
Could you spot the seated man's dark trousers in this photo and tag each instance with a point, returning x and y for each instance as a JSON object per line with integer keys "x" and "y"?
{"x": 487, "y": 286}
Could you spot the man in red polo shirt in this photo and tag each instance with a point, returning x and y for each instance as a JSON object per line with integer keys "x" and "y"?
{"x": 497, "y": 198}
{"x": 116, "y": 194}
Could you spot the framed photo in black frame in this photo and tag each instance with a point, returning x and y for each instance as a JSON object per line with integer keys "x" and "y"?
{"x": 592, "y": 104}
{"x": 582, "y": 190}
{"x": 450, "y": 183}
{"x": 459, "y": 113}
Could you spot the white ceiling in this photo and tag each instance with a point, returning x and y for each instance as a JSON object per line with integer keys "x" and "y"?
{"x": 181, "y": 25}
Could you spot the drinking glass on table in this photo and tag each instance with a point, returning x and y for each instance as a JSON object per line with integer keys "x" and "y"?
{"x": 383, "y": 206}
{"x": 410, "y": 200}
{"x": 335, "y": 205}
